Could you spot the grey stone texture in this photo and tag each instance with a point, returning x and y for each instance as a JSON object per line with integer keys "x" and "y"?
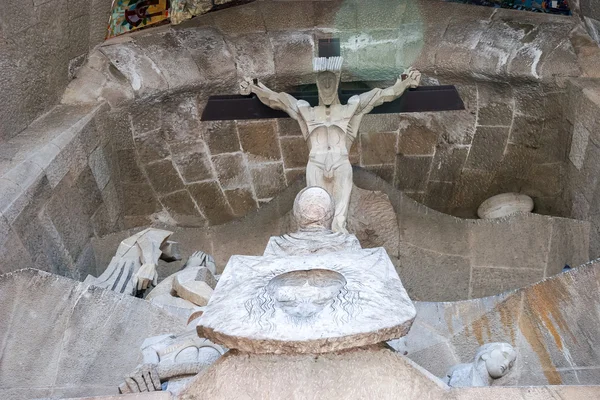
{"x": 38, "y": 41}
{"x": 545, "y": 323}
{"x": 55, "y": 319}
{"x": 59, "y": 178}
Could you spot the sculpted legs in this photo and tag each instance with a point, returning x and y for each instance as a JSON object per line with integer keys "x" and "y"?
{"x": 339, "y": 187}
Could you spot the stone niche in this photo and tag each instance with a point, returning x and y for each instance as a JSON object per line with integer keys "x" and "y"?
{"x": 513, "y": 136}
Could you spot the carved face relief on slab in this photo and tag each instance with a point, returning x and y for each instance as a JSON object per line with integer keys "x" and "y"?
{"x": 311, "y": 303}
{"x": 302, "y": 294}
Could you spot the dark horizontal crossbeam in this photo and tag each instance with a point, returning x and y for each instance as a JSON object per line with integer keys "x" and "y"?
{"x": 421, "y": 99}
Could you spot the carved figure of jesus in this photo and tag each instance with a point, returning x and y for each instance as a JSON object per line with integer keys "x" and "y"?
{"x": 331, "y": 127}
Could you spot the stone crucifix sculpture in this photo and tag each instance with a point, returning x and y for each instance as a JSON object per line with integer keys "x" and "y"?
{"x": 330, "y": 128}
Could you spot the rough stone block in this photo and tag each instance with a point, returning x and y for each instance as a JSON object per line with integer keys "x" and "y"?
{"x": 420, "y": 270}
{"x": 129, "y": 170}
{"x": 412, "y": 172}
{"x": 220, "y": 136}
{"x": 138, "y": 199}
{"x": 381, "y": 123}
{"x": 231, "y": 170}
{"x": 211, "y": 54}
{"x": 487, "y": 149}
{"x": 211, "y": 201}
{"x": 259, "y": 141}
{"x": 340, "y": 15}
{"x": 378, "y": 148}
{"x": 495, "y": 104}
{"x": 171, "y": 58}
{"x": 293, "y": 175}
{"x": 569, "y": 245}
{"x": 241, "y": 201}
{"x": 91, "y": 195}
{"x": 527, "y": 131}
{"x": 182, "y": 208}
{"x": 385, "y": 172}
{"x": 99, "y": 166}
{"x": 416, "y": 137}
{"x": 72, "y": 158}
{"x": 181, "y": 119}
{"x": 268, "y": 179}
{"x": 253, "y": 55}
{"x": 471, "y": 189}
{"x": 151, "y": 146}
{"x": 546, "y": 179}
{"x": 283, "y": 16}
{"x": 140, "y": 71}
{"x": 437, "y": 195}
{"x": 448, "y": 162}
{"x": 488, "y": 281}
{"x": 242, "y": 20}
{"x": 163, "y": 177}
{"x": 519, "y": 242}
{"x": 288, "y": 127}
{"x": 192, "y": 161}
{"x": 145, "y": 117}
{"x": 293, "y": 54}
{"x": 295, "y": 152}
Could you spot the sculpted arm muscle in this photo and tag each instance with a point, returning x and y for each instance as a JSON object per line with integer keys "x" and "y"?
{"x": 278, "y": 101}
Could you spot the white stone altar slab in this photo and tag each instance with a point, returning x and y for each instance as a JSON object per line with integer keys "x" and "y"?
{"x": 307, "y": 304}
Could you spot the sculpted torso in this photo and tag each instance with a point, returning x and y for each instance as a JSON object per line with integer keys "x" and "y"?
{"x": 329, "y": 130}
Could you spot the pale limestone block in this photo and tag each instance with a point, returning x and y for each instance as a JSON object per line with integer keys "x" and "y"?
{"x": 307, "y": 304}
{"x": 505, "y": 204}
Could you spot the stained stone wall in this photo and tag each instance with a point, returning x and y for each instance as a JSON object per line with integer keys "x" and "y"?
{"x": 58, "y": 190}
{"x": 41, "y": 45}
{"x": 550, "y": 324}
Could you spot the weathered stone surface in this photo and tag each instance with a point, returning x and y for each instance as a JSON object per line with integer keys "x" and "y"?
{"x": 268, "y": 179}
{"x": 70, "y": 307}
{"x": 182, "y": 208}
{"x": 163, "y": 177}
{"x": 220, "y": 136}
{"x": 378, "y": 148}
{"x": 293, "y": 53}
{"x": 378, "y": 308}
{"x": 138, "y": 199}
{"x": 211, "y": 201}
{"x": 259, "y": 140}
{"x": 192, "y": 160}
{"x": 416, "y": 137}
{"x": 495, "y": 104}
{"x": 295, "y": 152}
{"x": 347, "y": 374}
{"x": 422, "y": 267}
{"x": 448, "y": 163}
{"x": 231, "y": 170}
{"x": 181, "y": 119}
{"x": 253, "y": 54}
{"x": 373, "y": 220}
{"x": 288, "y": 127}
{"x": 489, "y": 281}
{"x": 412, "y": 172}
{"x": 241, "y": 200}
{"x": 152, "y": 146}
{"x": 487, "y": 149}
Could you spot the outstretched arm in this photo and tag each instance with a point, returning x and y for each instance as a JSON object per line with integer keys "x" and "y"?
{"x": 377, "y": 97}
{"x": 278, "y": 101}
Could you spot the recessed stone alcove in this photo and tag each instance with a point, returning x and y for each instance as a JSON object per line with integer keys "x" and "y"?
{"x": 128, "y": 147}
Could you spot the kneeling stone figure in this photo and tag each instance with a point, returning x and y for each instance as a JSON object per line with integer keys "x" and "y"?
{"x": 492, "y": 361}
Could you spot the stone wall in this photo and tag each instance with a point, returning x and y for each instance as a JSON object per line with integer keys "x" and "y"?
{"x": 551, "y": 324}
{"x": 41, "y": 45}
{"x": 438, "y": 257}
{"x": 512, "y": 136}
{"x": 582, "y": 192}
{"x": 58, "y": 190}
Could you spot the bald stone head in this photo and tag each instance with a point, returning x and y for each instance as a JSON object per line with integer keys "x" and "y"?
{"x": 314, "y": 209}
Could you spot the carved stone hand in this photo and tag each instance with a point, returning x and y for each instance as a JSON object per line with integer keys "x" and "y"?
{"x": 413, "y": 78}
{"x": 145, "y": 277}
{"x": 246, "y": 86}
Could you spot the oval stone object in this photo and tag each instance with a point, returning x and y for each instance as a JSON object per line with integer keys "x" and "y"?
{"x": 505, "y": 204}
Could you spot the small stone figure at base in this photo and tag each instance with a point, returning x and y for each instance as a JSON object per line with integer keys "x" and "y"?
{"x": 492, "y": 361}
{"x": 314, "y": 210}
{"x": 171, "y": 360}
